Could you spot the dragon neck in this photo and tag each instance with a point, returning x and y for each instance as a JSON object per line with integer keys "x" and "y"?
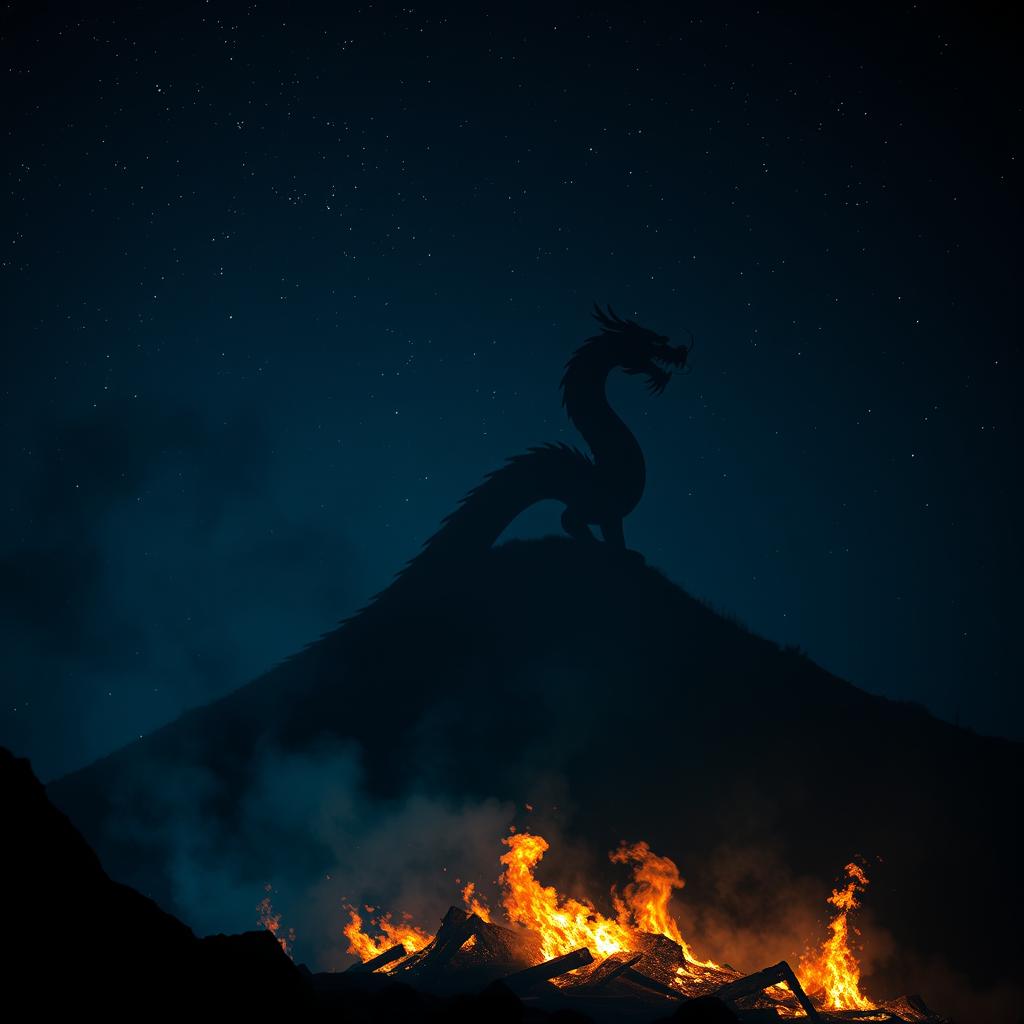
{"x": 616, "y": 451}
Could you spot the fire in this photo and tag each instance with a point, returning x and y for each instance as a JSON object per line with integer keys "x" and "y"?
{"x": 474, "y": 904}
{"x": 272, "y": 922}
{"x": 832, "y": 975}
{"x": 366, "y": 947}
{"x": 646, "y": 898}
{"x": 564, "y": 924}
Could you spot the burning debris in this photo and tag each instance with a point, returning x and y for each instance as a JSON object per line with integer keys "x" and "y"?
{"x": 563, "y": 950}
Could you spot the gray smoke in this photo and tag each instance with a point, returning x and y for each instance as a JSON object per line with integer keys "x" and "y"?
{"x": 327, "y": 843}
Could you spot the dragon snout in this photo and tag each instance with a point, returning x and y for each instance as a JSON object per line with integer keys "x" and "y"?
{"x": 674, "y": 355}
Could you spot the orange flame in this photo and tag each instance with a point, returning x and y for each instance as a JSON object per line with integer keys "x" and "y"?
{"x": 832, "y": 975}
{"x": 474, "y": 904}
{"x": 367, "y": 947}
{"x": 564, "y": 924}
{"x": 646, "y": 898}
{"x": 272, "y": 922}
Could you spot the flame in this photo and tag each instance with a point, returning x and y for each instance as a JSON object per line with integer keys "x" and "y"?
{"x": 564, "y": 924}
{"x": 646, "y": 898}
{"x": 474, "y": 904}
{"x": 272, "y": 922}
{"x": 366, "y": 947}
{"x": 832, "y": 974}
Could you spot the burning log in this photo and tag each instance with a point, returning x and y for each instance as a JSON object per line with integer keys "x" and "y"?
{"x": 638, "y": 978}
{"x": 760, "y": 980}
{"x": 912, "y": 1008}
{"x": 457, "y": 928}
{"x": 663, "y": 961}
{"x": 389, "y": 956}
{"x": 608, "y": 970}
{"x": 524, "y": 980}
{"x": 510, "y": 949}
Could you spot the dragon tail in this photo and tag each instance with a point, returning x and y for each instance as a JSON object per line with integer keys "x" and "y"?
{"x": 549, "y": 471}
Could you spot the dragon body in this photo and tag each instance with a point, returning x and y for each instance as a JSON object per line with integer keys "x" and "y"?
{"x": 598, "y": 490}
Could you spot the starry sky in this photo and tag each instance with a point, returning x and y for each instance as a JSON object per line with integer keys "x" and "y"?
{"x": 280, "y": 284}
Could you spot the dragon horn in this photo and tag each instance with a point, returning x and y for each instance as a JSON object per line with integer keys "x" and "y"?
{"x": 615, "y": 316}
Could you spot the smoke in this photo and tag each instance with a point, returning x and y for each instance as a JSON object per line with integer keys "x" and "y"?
{"x": 115, "y": 517}
{"x": 751, "y": 910}
{"x": 326, "y": 843}
{"x": 949, "y": 991}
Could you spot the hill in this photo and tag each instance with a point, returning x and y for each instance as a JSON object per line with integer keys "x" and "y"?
{"x": 581, "y": 681}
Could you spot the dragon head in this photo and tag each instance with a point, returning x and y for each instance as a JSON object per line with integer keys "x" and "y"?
{"x": 639, "y": 350}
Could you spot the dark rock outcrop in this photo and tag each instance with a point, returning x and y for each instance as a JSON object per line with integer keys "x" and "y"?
{"x": 80, "y": 941}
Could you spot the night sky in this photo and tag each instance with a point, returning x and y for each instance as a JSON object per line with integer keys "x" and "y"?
{"x": 281, "y": 284}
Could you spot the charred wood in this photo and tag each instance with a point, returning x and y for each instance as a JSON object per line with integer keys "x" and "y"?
{"x": 512, "y": 948}
{"x": 457, "y": 928}
{"x": 608, "y": 970}
{"x": 522, "y": 981}
{"x": 760, "y": 980}
{"x": 639, "y": 978}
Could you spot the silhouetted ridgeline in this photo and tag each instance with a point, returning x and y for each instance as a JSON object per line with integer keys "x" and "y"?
{"x": 80, "y": 942}
{"x": 580, "y": 680}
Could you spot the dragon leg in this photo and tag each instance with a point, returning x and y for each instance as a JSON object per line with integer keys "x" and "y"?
{"x": 575, "y": 526}
{"x": 613, "y": 535}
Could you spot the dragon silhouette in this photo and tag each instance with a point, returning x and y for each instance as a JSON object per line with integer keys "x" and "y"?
{"x": 600, "y": 490}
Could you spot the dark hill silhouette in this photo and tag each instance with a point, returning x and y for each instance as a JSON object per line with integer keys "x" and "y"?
{"x": 76, "y": 939}
{"x": 576, "y": 672}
